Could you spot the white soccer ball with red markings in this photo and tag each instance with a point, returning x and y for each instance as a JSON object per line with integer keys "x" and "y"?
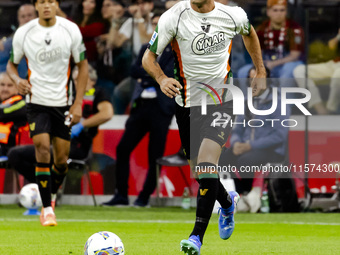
{"x": 104, "y": 243}
{"x": 29, "y": 196}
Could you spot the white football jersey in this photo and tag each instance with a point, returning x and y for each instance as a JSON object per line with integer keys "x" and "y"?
{"x": 201, "y": 43}
{"x": 48, "y": 53}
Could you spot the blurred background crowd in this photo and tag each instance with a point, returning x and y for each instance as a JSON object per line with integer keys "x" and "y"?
{"x": 292, "y": 33}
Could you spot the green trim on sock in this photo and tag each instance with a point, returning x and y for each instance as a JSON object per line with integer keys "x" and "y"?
{"x": 42, "y": 173}
{"x": 208, "y": 176}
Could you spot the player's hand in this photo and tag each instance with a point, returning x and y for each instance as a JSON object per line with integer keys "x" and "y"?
{"x": 259, "y": 84}
{"x": 170, "y": 87}
{"x": 23, "y": 86}
{"x": 74, "y": 114}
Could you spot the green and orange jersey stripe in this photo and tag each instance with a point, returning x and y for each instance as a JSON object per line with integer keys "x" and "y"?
{"x": 68, "y": 80}
{"x": 228, "y": 63}
{"x": 179, "y": 74}
{"x": 228, "y": 70}
{"x": 42, "y": 171}
{"x": 29, "y": 72}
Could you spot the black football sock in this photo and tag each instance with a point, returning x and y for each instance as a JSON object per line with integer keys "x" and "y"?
{"x": 43, "y": 178}
{"x": 223, "y": 197}
{"x": 58, "y": 174}
{"x": 206, "y": 197}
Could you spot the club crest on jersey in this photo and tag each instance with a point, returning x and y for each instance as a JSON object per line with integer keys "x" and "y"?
{"x": 206, "y": 28}
{"x": 204, "y": 44}
{"x": 48, "y": 39}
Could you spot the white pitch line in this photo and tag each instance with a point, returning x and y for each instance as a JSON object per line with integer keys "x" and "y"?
{"x": 172, "y": 221}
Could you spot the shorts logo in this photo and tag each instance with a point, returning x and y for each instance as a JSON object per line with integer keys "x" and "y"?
{"x": 32, "y": 126}
{"x": 203, "y": 192}
{"x": 153, "y": 38}
{"x": 221, "y": 135}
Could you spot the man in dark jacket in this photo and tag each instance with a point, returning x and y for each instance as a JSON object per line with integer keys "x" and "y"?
{"x": 256, "y": 143}
{"x": 151, "y": 113}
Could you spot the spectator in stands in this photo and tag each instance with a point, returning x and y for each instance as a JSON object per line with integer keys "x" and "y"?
{"x": 151, "y": 113}
{"x": 12, "y": 113}
{"x": 96, "y": 110}
{"x": 255, "y": 146}
{"x": 318, "y": 73}
{"x": 170, "y": 3}
{"x": 114, "y": 62}
{"x": 26, "y": 12}
{"x": 91, "y": 25}
{"x": 282, "y": 43}
{"x": 136, "y": 30}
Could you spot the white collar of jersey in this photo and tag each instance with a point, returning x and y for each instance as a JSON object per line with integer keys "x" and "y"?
{"x": 202, "y": 15}
{"x": 51, "y": 27}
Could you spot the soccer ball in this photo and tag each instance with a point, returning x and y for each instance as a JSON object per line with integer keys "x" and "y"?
{"x": 104, "y": 243}
{"x": 29, "y": 196}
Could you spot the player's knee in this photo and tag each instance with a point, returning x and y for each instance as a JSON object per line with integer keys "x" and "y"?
{"x": 206, "y": 170}
{"x": 42, "y": 150}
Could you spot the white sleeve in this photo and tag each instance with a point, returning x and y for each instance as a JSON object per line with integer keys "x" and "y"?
{"x": 17, "y": 51}
{"x": 126, "y": 28}
{"x": 78, "y": 47}
{"x": 241, "y": 20}
{"x": 164, "y": 32}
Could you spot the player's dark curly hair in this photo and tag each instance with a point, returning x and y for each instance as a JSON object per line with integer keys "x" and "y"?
{"x": 34, "y": 1}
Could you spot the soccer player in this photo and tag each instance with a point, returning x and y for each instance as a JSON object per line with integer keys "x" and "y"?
{"x": 48, "y": 43}
{"x": 200, "y": 32}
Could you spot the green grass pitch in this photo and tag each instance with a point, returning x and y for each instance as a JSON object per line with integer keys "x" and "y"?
{"x": 157, "y": 231}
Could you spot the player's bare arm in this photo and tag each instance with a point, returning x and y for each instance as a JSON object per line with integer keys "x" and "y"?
{"x": 169, "y": 86}
{"x": 253, "y": 47}
{"x": 23, "y": 85}
{"x": 75, "y": 111}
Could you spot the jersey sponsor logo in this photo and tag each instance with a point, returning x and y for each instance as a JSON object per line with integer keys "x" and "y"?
{"x": 203, "y": 44}
{"x": 45, "y": 57}
{"x": 153, "y": 38}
